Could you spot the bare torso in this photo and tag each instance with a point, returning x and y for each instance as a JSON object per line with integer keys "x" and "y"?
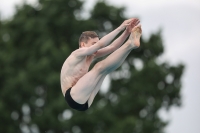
{"x": 73, "y": 69}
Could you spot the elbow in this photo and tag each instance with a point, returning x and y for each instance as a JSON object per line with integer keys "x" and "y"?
{"x": 100, "y": 44}
{"x": 112, "y": 48}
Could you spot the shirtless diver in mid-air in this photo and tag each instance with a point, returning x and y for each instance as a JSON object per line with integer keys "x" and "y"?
{"x": 80, "y": 86}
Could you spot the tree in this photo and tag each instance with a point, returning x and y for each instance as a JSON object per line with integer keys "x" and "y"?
{"x": 33, "y": 47}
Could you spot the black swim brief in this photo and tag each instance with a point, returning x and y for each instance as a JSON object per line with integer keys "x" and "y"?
{"x": 73, "y": 104}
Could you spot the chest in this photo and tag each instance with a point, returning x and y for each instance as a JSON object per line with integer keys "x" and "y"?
{"x": 86, "y": 63}
{"x": 82, "y": 66}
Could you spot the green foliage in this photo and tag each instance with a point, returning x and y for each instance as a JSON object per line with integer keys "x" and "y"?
{"x": 33, "y": 47}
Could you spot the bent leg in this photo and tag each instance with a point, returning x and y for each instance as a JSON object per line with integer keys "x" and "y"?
{"x": 88, "y": 86}
{"x": 85, "y": 86}
{"x": 115, "y": 60}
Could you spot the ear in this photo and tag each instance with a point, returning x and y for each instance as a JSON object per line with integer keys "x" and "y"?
{"x": 82, "y": 44}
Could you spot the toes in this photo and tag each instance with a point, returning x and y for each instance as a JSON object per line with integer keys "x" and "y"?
{"x": 137, "y": 29}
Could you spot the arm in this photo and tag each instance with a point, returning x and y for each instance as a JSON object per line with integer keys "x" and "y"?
{"x": 104, "y": 41}
{"x": 115, "y": 45}
{"x": 118, "y": 42}
{"x": 87, "y": 50}
{"x": 109, "y": 37}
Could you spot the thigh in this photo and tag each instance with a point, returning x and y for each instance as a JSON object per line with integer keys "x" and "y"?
{"x": 85, "y": 86}
{"x": 96, "y": 90}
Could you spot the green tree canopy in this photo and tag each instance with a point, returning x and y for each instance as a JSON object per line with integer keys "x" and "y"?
{"x": 35, "y": 43}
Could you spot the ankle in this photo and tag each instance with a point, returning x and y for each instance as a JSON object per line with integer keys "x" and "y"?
{"x": 129, "y": 44}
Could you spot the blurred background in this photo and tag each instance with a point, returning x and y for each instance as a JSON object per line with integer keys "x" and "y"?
{"x": 156, "y": 90}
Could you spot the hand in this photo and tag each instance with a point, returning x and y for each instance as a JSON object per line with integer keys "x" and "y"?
{"x": 133, "y": 23}
{"x": 126, "y": 23}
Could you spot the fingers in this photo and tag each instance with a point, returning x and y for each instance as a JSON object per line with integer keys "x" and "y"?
{"x": 135, "y": 19}
{"x": 135, "y": 22}
{"x": 138, "y": 26}
{"x": 130, "y": 20}
{"x": 130, "y": 23}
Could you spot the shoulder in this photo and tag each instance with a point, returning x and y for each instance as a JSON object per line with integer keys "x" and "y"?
{"x": 79, "y": 52}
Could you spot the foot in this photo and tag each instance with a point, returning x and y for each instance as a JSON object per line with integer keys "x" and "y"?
{"x": 135, "y": 36}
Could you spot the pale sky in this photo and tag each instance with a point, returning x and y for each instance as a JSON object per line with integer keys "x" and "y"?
{"x": 180, "y": 23}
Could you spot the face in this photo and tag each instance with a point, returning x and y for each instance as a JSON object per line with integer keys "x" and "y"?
{"x": 90, "y": 42}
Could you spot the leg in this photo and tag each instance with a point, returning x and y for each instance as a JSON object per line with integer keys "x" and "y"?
{"x": 113, "y": 61}
{"x": 83, "y": 89}
{"x": 88, "y": 86}
{"x": 95, "y": 91}
{"x": 134, "y": 39}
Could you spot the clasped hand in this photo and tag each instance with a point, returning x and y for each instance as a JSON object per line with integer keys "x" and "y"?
{"x": 129, "y": 24}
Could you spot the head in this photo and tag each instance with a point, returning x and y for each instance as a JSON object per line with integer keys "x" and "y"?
{"x": 88, "y": 38}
